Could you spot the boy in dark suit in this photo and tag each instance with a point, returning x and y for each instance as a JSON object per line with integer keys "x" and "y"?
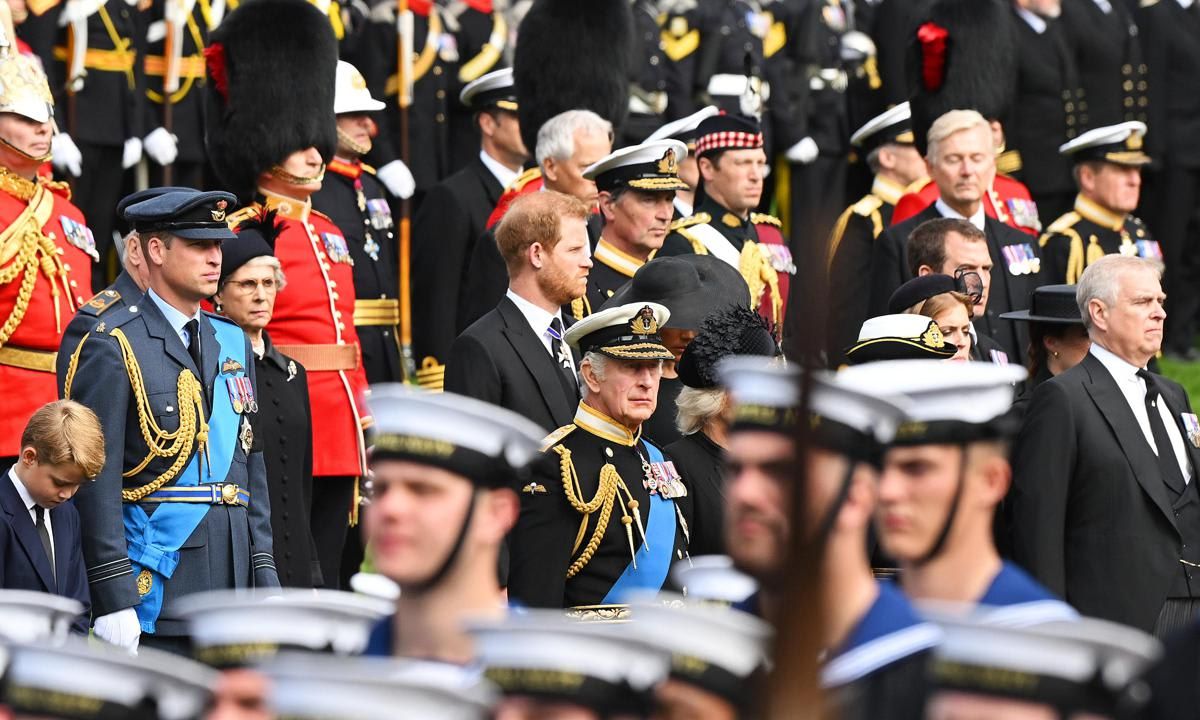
{"x": 41, "y": 549}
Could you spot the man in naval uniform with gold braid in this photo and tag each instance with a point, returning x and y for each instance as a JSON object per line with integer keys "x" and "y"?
{"x": 637, "y": 187}
{"x": 599, "y": 518}
{"x": 732, "y": 164}
{"x": 1108, "y": 172}
{"x": 181, "y": 504}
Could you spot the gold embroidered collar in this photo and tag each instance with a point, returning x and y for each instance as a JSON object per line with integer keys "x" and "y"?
{"x": 19, "y": 187}
{"x": 1091, "y": 210}
{"x": 597, "y": 423}
{"x": 622, "y": 262}
{"x": 285, "y": 206}
{"x": 886, "y": 190}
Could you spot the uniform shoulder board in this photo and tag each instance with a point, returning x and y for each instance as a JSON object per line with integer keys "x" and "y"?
{"x": 765, "y": 219}
{"x": 700, "y": 218}
{"x": 917, "y": 186}
{"x": 100, "y": 302}
{"x": 235, "y": 218}
{"x": 556, "y": 437}
{"x": 368, "y": 169}
{"x": 525, "y": 178}
{"x": 1009, "y": 162}
{"x": 1066, "y": 222}
{"x": 867, "y": 205}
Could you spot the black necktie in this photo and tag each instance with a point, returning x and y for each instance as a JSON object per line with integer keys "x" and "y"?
{"x": 44, "y": 533}
{"x": 562, "y": 356}
{"x": 1168, "y": 465}
{"x": 193, "y": 330}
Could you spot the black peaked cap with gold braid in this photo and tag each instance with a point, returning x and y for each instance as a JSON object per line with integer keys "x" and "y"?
{"x": 652, "y": 166}
{"x": 625, "y": 332}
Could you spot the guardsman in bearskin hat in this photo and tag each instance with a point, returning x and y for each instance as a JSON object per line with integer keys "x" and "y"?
{"x": 1108, "y": 170}
{"x": 889, "y": 148}
{"x": 357, "y": 203}
{"x": 963, "y": 56}
{"x": 180, "y": 505}
{"x": 732, "y": 166}
{"x": 272, "y": 67}
{"x": 46, "y": 250}
{"x": 599, "y": 520}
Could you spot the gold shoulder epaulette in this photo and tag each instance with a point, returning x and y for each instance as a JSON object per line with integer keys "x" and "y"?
{"x": 100, "y": 302}
{"x": 368, "y": 169}
{"x": 765, "y": 219}
{"x": 678, "y": 39}
{"x": 1064, "y": 223}
{"x": 917, "y": 186}
{"x": 699, "y": 218}
{"x": 235, "y": 218}
{"x": 867, "y": 205}
{"x": 1008, "y": 162}
{"x": 556, "y": 437}
{"x": 525, "y": 178}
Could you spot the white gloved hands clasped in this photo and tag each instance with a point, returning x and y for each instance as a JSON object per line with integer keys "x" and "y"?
{"x": 132, "y": 152}
{"x": 120, "y": 628}
{"x": 397, "y": 179}
{"x": 65, "y": 155}
{"x": 161, "y": 146}
{"x": 803, "y": 152}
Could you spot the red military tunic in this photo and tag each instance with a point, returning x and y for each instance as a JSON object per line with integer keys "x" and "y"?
{"x": 1008, "y": 201}
{"x": 314, "y": 324}
{"x": 51, "y": 247}
{"x": 527, "y": 182}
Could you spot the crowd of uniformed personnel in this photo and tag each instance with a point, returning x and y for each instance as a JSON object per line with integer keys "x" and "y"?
{"x": 598, "y": 359}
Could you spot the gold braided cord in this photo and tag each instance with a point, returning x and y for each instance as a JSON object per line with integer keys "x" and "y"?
{"x": 35, "y": 253}
{"x": 607, "y": 493}
{"x": 72, "y": 366}
{"x": 191, "y": 413}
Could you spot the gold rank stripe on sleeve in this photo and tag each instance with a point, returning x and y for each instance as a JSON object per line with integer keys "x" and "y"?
{"x": 431, "y": 375}
{"x": 678, "y": 39}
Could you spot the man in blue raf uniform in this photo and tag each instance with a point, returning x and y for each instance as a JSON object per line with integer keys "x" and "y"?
{"x": 943, "y": 477}
{"x": 180, "y": 505}
{"x": 600, "y": 521}
{"x": 358, "y": 204}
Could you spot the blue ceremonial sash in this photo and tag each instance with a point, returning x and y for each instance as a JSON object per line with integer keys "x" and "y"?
{"x": 654, "y": 557}
{"x": 154, "y": 540}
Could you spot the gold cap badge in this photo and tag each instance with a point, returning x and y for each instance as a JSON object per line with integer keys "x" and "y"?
{"x": 218, "y": 215}
{"x": 644, "y": 323}
{"x": 669, "y": 164}
{"x": 933, "y": 336}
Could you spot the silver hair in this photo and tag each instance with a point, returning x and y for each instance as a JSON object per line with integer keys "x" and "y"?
{"x": 268, "y": 261}
{"x": 950, "y": 123}
{"x": 122, "y": 246}
{"x": 696, "y": 406}
{"x": 598, "y": 361}
{"x": 556, "y": 137}
{"x": 1101, "y": 280}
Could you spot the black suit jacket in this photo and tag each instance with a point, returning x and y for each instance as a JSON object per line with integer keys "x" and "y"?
{"x": 450, "y": 222}
{"x": 1108, "y": 52}
{"x": 23, "y": 561}
{"x": 889, "y": 270}
{"x": 1171, "y": 40}
{"x": 1089, "y": 515}
{"x": 501, "y": 360}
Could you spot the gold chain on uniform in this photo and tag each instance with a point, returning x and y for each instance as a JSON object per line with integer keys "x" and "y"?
{"x": 36, "y": 252}
{"x": 191, "y": 412}
{"x": 610, "y": 487}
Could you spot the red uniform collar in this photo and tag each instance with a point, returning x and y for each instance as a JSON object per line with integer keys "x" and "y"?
{"x": 352, "y": 169}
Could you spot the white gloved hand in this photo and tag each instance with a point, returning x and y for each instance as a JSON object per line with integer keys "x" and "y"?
{"x": 132, "y": 153}
{"x": 161, "y": 146}
{"x": 120, "y": 628}
{"x": 803, "y": 152}
{"x": 65, "y": 155}
{"x": 397, "y": 178}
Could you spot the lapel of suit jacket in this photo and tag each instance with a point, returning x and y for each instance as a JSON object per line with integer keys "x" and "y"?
{"x": 1177, "y": 406}
{"x": 25, "y": 531}
{"x": 535, "y": 358}
{"x": 491, "y": 186}
{"x": 1120, "y": 418}
{"x": 158, "y": 327}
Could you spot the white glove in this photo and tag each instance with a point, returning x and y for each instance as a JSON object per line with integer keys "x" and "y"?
{"x": 65, "y": 155}
{"x": 120, "y": 628}
{"x": 803, "y": 152}
{"x": 161, "y": 146}
{"x": 397, "y": 178}
{"x": 132, "y": 153}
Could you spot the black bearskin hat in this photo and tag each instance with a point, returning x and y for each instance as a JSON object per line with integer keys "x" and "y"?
{"x": 962, "y": 56}
{"x": 271, "y": 69}
{"x": 573, "y": 54}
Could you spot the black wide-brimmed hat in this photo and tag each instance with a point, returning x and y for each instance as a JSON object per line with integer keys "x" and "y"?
{"x": 1053, "y": 304}
{"x": 692, "y": 287}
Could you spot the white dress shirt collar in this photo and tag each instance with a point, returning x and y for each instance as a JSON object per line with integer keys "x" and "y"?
{"x": 979, "y": 219}
{"x": 537, "y": 318}
{"x": 1121, "y": 370}
{"x": 502, "y": 174}
{"x": 177, "y": 320}
{"x": 1104, "y": 5}
{"x": 1033, "y": 20}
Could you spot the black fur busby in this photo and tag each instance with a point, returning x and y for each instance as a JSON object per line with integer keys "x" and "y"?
{"x": 271, "y": 69}
{"x": 573, "y": 54}
{"x": 962, "y": 56}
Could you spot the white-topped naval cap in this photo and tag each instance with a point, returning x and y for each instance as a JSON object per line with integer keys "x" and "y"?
{"x": 970, "y": 392}
{"x": 1120, "y": 144}
{"x": 652, "y": 165}
{"x": 684, "y": 128}
{"x": 494, "y": 88}
{"x": 713, "y": 577}
{"x": 350, "y": 92}
{"x": 34, "y": 617}
{"x": 897, "y": 120}
{"x": 713, "y": 633}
